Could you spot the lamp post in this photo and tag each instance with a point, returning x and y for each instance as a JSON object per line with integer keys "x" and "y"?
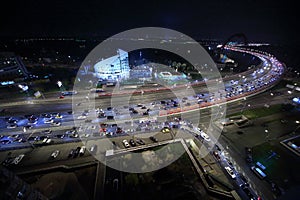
{"x": 60, "y": 85}
{"x": 268, "y": 133}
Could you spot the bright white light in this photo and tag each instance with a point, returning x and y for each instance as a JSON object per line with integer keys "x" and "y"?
{"x": 59, "y": 83}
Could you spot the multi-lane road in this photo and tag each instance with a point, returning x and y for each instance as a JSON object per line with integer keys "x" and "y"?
{"x": 238, "y": 95}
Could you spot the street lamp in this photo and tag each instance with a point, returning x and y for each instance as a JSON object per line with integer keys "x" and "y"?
{"x": 267, "y": 131}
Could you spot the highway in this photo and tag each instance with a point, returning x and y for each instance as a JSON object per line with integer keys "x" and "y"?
{"x": 237, "y": 98}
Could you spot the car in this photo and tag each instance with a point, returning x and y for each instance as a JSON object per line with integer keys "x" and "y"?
{"x": 21, "y": 140}
{"x": 37, "y": 138}
{"x": 46, "y": 116}
{"x": 93, "y": 127}
{"x": 8, "y": 161}
{"x": 110, "y": 117}
{"x": 249, "y": 158}
{"x": 47, "y": 131}
{"x": 101, "y": 115}
{"x": 135, "y": 112}
{"x": 248, "y": 192}
{"x": 81, "y": 117}
{"x": 165, "y": 130}
{"x": 82, "y": 150}
{"x": 88, "y": 121}
{"x": 140, "y": 141}
{"x": 216, "y": 154}
{"x": 217, "y": 147}
{"x": 6, "y": 141}
{"x": 73, "y": 135}
{"x": 55, "y": 124}
{"x": 47, "y": 141}
{"x": 230, "y": 172}
{"x": 18, "y": 159}
{"x": 11, "y": 126}
{"x": 132, "y": 142}
{"x": 28, "y": 126}
{"x": 48, "y": 121}
{"x": 43, "y": 137}
{"x": 12, "y": 120}
{"x": 229, "y": 163}
{"x": 153, "y": 139}
{"x": 56, "y": 115}
{"x": 119, "y": 130}
{"x": 31, "y": 138}
{"x": 55, "y": 154}
{"x": 61, "y": 136}
{"x": 16, "y": 136}
{"x": 93, "y": 149}
{"x": 61, "y": 97}
{"x": 248, "y": 150}
{"x": 76, "y": 152}
{"x": 109, "y": 108}
{"x": 283, "y": 121}
{"x": 71, "y": 153}
{"x": 204, "y": 136}
{"x": 126, "y": 144}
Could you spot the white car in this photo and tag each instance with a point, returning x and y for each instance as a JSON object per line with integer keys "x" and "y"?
{"x": 82, "y": 150}
{"x": 48, "y": 141}
{"x": 48, "y": 121}
{"x": 126, "y": 144}
{"x": 93, "y": 148}
{"x": 230, "y": 172}
{"x": 18, "y": 159}
{"x": 203, "y": 135}
{"x": 55, "y": 154}
{"x": 10, "y": 126}
{"x": 81, "y": 117}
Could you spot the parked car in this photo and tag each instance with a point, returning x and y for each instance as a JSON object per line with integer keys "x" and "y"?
{"x": 126, "y": 144}
{"x": 82, "y": 150}
{"x": 153, "y": 139}
{"x": 140, "y": 141}
{"x": 93, "y": 149}
{"x": 71, "y": 153}
{"x": 76, "y": 152}
{"x": 132, "y": 142}
{"x": 55, "y": 154}
{"x": 18, "y": 159}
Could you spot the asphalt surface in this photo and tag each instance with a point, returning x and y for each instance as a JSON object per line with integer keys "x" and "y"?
{"x": 38, "y": 156}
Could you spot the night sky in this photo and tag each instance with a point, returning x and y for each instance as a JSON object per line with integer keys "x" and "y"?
{"x": 260, "y": 20}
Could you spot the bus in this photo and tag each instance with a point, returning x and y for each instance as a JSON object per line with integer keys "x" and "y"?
{"x": 68, "y": 93}
{"x": 258, "y": 172}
